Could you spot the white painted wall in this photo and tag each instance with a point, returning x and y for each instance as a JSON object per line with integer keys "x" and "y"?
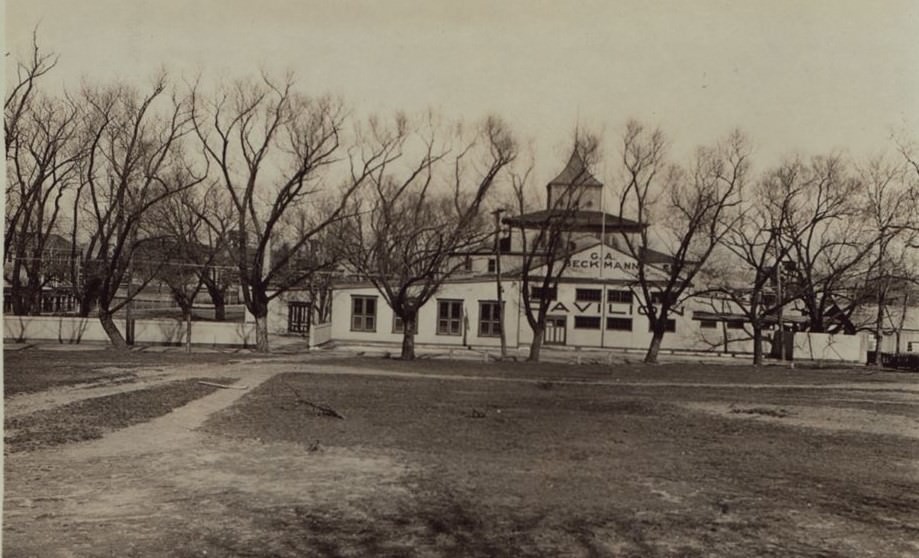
{"x": 470, "y": 293}
{"x": 76, "y": 330}
{"x": 689, "y": 334}
{"x": 830, "y": 347}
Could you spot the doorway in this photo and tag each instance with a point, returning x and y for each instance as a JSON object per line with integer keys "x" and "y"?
{"x": 298, "y": 317}
{"x": 555, "y": 330}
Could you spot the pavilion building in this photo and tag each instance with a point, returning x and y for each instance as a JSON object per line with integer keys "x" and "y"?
{"x": 595, "y": 304}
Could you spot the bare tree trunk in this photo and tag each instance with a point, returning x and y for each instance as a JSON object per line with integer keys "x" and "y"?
{"x": 187, "y": 313}
{"x": 408, "y": 347}
{"x": 218, "y": 299}
{"x": 86, "y": 305}
{"x": 220, "y": 310}
{"x": 17, "y": 290}
{"x": 757, "y": 344}
{"x": 408, "y": 337}
{"x": 655, "y": 347}
{"x": 108, "y": 324}
{"x": 536, "y": 344}
{"x": 261, "y": 334}
{"x": 31, "y": 294}
{"x": 258, "y": 307}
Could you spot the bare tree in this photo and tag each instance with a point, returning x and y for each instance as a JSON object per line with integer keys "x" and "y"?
{"x": 272, "y": 146}
{"x": 41, "y": 153}
{"x": 214, "y": 255}
{"x": 405, "y": 235}
{"x": 191, "y": 237}
{"x": 828, "y": 241}
{"x": 696, "y": 208}
{"x": 547, "y": 236}
{"x": 756, "y": 248}
{"x": 135, "y": 161}
{"x": 889, "y": 212}
{"x": 20, "y": 96}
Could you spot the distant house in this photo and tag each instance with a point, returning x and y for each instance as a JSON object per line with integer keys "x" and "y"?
{"x": 900, "y": 326}
{"x": 55, "y": 266}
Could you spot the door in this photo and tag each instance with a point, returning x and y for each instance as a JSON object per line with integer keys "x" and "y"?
{"x": 298, "y": 317}
{"x": 555, "y": 330}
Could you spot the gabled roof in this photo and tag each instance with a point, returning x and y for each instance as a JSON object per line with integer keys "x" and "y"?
{"x": 575, "y": 173}
{"x": 577, "y": 221}
{"x": 654, "y": 257}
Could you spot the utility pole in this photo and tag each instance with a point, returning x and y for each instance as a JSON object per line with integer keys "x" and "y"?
{"x": 781, "y": 302}
{"x": 497, "y": 213}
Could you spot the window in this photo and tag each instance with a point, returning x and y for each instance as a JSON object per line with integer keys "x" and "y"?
{"x": 708, "y": 324}
{"x": 363, "y": 313}
{"x": 492, "y": 265}
{"x": 449, "y": 317}
{"x": 539, "y": 293}
{"x": 504, "y": 245}
{"x": 467, "y": 263}
{"x": 489, "y": 319}
{"x": 624, "y": 297}
{"x": 619, "y": 324}
{"x": 587, "y": 322}
{"x": 669, "y": 327}
{"x": 588, "y": 295}
{"x": 735, "y": 324}
{"x": 910, "y": 346}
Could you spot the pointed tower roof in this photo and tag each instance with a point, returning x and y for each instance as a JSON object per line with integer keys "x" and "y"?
{"x": 575, "y": 173}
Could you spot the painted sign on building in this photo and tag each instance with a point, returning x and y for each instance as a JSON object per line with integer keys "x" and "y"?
{"x": 608, "y": 261}
{"x": 605, "y": 263}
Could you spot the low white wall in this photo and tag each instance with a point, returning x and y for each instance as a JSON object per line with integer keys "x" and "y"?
{"x": 63, "y": 330}
{"x": 320, "y": 333}
{"x": 826, "y": 346}
{"x": 76, "y": 330}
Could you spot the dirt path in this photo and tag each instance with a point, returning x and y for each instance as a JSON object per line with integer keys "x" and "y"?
{"x": 164, "y": 476}
{"x": 139, "y": 378}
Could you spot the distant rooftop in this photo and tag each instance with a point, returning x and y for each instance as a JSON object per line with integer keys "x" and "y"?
{"x": 576, "y": 221}
{"x": 575, "y": 172}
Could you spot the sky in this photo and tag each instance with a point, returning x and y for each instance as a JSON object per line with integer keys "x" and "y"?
{"x": 797, "y": 76}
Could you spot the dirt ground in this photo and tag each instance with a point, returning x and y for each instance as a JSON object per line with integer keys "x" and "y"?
{"x": 438, "y": 458}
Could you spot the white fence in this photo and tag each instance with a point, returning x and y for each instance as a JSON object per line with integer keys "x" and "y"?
{"x": 320, "y": 333}
{"x": 160, "y": 332}
{"x": 826, "y": 347}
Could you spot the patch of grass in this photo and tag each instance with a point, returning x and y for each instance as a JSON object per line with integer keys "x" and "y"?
{"x": 30, "y": 371}
{"x": 584, "y": 470}
{"x": 90, "y": 419}
{"x": 631, "y": 372}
